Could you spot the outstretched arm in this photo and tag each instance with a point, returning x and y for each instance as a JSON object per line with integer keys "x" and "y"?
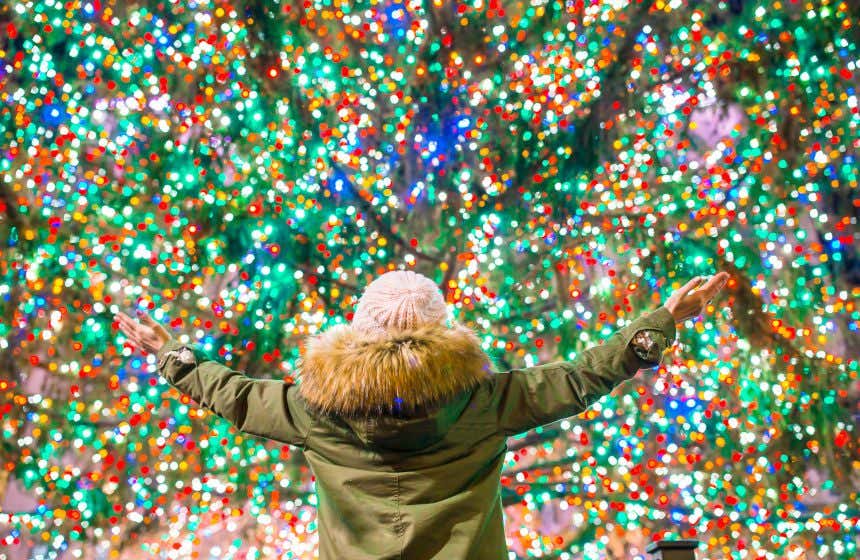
{"x": 260, "y": 407}
{"x": 525, "y": 398}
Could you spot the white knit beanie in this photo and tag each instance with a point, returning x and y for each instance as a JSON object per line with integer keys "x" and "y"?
{"x": 399, "y": 299}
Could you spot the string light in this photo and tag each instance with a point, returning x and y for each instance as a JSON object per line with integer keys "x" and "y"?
{"x": 242, "y": 172}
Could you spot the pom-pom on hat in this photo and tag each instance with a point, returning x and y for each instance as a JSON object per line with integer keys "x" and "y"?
{"x": 399, "y": 299}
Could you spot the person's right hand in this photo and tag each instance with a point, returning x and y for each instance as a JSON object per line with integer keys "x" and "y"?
{"x": 691, "y": 299}
{"x": 147, "y": 335}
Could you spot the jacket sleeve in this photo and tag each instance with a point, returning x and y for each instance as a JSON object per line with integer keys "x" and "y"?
{"x": 522, "y": 399}
{"x": 260, "y": 407}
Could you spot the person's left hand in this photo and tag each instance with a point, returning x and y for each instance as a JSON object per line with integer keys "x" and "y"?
{"x": 147, "y": 334}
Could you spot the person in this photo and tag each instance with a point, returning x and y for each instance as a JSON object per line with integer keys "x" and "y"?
{"x": 401, "y": 417}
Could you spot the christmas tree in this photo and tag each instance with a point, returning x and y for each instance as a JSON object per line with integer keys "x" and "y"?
{"x": 242, "y": 170}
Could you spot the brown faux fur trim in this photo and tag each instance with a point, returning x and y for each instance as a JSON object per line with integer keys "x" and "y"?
{"x": 349, "y": 372}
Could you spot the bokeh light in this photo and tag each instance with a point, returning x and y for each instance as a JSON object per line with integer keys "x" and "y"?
{"x": 242, "y": 170}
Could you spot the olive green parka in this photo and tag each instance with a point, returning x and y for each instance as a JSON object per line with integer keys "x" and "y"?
{"x": 406, "y": 433}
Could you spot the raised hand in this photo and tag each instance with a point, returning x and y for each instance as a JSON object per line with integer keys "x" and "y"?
{"x": 691, "y": 299}
{"x": 147, "y": 334}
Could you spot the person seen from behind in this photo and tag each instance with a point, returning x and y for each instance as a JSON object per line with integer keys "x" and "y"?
{"x": 402, "y": 418}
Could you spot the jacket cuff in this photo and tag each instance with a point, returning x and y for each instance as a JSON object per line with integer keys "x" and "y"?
{"x": 664, "y": 320}
{"x": 171, "y": 345}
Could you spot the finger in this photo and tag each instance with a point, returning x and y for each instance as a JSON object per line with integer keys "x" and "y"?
{"x": 714, "y": 285}
{"x": 124, "y": 324}
{"x": 146, "y": 319}
{"x": 686, "y": 288}
{"x": 127, "y": 329}
{"x": 138, "y": 326}
{"x": 719, "y": 278}
{"x": 122, "y": 316}
{"x": 131, "y": 332}
{"x": 128, "y": 322}
{"x": 131, "y": 337}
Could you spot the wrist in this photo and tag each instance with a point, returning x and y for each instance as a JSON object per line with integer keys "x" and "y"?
{"x": 673, "y": 312}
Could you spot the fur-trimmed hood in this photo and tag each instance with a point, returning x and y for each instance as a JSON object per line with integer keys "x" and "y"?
{"x": 353, "y": 373}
